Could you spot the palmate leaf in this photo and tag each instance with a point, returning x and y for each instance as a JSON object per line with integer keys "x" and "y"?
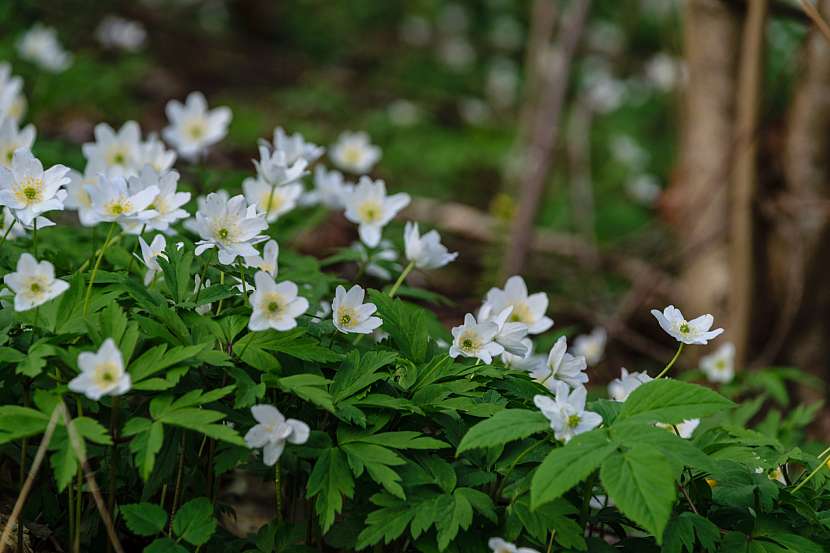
{"x": 641, "y": 482}
{"x": 330, "y": 481}
{"x": 671, "y": 402}
{"x": 310, "y": 387}
{"x": 144, "y": 519}
{"x": 406, "y": 323}
{"x": 376, "y": 460}
{"x": 687, "y": 529}
{"x": 194, "y": 521}
{"x": 148, "y": 437}
{"x": 503, "y": 427}
{"x": 357, "y": 372}
{"x": 567, "y": 466}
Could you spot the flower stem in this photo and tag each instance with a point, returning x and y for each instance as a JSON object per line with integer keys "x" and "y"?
{"x": 8, "y": 231}
{"x": 113, "y": 457}
{"x": 202, "y": 278}
{"x": 221, "y": 281}
{"x": 135, "y": 249}
{"x": 244, "y": 284}
{"x": 34, "y": 236}
{"x": 95, "y": 268}
{"x": 671, "y": 363}
{"x": 404, "y": 274}
{"x": 815, "y": 470}
{"x": 278, "y": 491}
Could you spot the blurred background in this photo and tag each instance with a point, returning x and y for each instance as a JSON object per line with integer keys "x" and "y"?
{"x": 621, "y": 155}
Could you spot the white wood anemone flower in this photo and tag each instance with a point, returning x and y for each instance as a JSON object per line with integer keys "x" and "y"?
{"x": 427, "y": 251}
{"x": 114, "y": 201}
{"x": 116, "y": 153}
{"x": 296, "y": 147}
{"x": 683, "y": 430}
{"x": 527, "y": 309}
{"x": 153, "y": 153}
{"x": 273, "y": 431}
{"x": 561, "y": 366}
{"x": 719, "y": 366}
{"x": 267, "y": 261}
{"x": 275, "y": 168}
{"x": 511, "y": 336}
{"x": 566, "y": 412}
{"x": 193, "y": 128}
{"x": 272, "y": 201}
{"x": 80, "y": 190}
{"x": 498, "y": 545}
{"x": 350, "y": 315}
{"x": 167, "y": 203}
{"x": 28, "y": 190}
{"x": 591, "y": 346}
{"x": 529, "y": 362}
{"x": 12, "y": 101}
{"x": 13, "y": 139}
{"x": 353, "y": 152}
{"x": 476, "y": 339}
{"x": 203, "y": 309}
{"x": 371, "y": 209}
{"x": 330, "y": 189}
{"x": 694, "y": 332}
{"x": 33, "y": 283}
{"x": 620, "y": 388}
{"x": 232, "y": 227}
{"x": 275, "y": 305}
{"x": 40, "y": 45}
{"x": 150, "y": 254}
{"x": 102, "y": 373}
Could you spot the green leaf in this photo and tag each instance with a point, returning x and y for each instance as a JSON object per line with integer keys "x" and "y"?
{"x": 147, "y": 442}
{"x": 741, "y": 486}
{"x": 144, "y": 519}
{"x": 20, "y": 422}
{"x": 309, "y": 387}
{"x": 459, "y": 517}
{"x": 357, "y": 373}
{"x": 165, "y": 545}
{"x": 567, "y": 466}
{"x": 194, "y": 522}
{"x": 503, "y": 427}
{"x": 405, "y": 322}
{"x": 687, "y": 529}
{"x": 63, "y": 460}
{"x": 35, "y": 359}
{"x": 158, "y": 358}
{"x": 9, "y": 355}
{"x": 641, "y": 482}
{"x": 671, "y": 402}
{"x": 376, "y": 460}
{"x": 330, "y": 481}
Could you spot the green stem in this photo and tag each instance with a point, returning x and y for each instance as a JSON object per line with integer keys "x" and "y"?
{"x": 404, "y": 274}
{"x": 34, "y": 236}
{"x": 113, "y": 458}
{"x": 244, "y": 284}
{"x": 202, "y": 278}
{"x": 135, "y": 251}
{"x": 95, "y": 268}
{"x": 815, "y": 470}
{"x": 221, "y": 281}
{"x": 671, "y": 363}
{"x": 278, "y": 491}
{"x": 178, "y": 488}
{"x": 8, "y": 231}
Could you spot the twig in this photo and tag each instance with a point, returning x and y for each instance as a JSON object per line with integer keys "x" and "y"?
{"x": 816, "y": 17}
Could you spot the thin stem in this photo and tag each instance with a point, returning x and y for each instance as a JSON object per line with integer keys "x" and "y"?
{"x": 113, "y": 456}
{"x": 671, "y": 363}
{"x": 815, "y": 470}
{"x": 244, "y": 284}
{"x": 95, "y": 268}
{"x": 178, "y": 488}
{"x": 278, "y": 491}
{"x": 8, "y": 231}
{"x": 202, "y": 278}
{"x": 135, "y": 249}
{"x": 27, "y": 485}
{"x": 34, "y": 237}
{"x": 404, "y": 274}
{"x": 221, "y": 281}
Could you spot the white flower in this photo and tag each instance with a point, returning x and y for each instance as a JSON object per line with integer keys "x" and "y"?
{"x": 193, "y": 128}
{"x": 527, "y": 309}
{"x": 149, "y": 255}
{"x": 12, "y": 101}
{"x": 28, "y": 190}
{"x": 591, "y": 346}
{"x": 620, "y": 388}
{"x": 102, "y": 373}
{"x": 33, "y": 283}
{"x": 529, "y": 362}
{"x": 378, "y": 261}
{"x": 295, "y": 147}
{"x": 644, "y": 189}
{"x": 350, "y": 314}
{"x": 275, "y": 168}
{"x": 563, "y": 367}
{"x": 371, "y": 209}
{"x": 232, "y": 227}
{"x": 719, "y": 366}
{"x": 402, "y": 113}
{"x": 476, "y": 339}
{"x": 113, "y": 201}
{"x": 202, "y": 309}
{"x": 153, "y": 153}
{"x": 354, "y": 153}
{"x": 201, "y": 203}
{"x": 323, "y": 312}
{"x": 498, "y": 545}
{"x": 167, "y": 204}
{"x": 116, "y": 153}
{"x": 511, "y": 335}
{"x": 272, "y": 431}
{"x": 12, "y": 139}
{"x": 40, "y": 45}
{"x": 566, "y": 413}
{"x": 427, "y": 251}
{"x": 272, "y": 201}
{"x": 267, "y": 261}
{"x": 329, "y": 189}
{"x": 777, "y": 474}
{"x": 120, "y": 33}
{"x": 80, "y": 190}
{"x": 275, "y": 305}
{"x": 11, "y": 228}
{"x": 695, "y": 331}
{"x": 685, "y": 429}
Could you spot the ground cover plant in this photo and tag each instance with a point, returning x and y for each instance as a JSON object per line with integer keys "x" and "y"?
{"x": 160, "y": 340}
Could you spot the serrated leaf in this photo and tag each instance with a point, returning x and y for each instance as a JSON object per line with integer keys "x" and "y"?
{"x": 20, "y": 422}
{"x": 503, "y": 427}
{"x": 329, "y": 482}
{"x": 671, "y": 402}
{"x": 165, "y": 545}
{"x": 144, "y": 519}
{"x": 641, "y": 483}
{"x": 567, "y": 466}
{"x": 194, "y": 521}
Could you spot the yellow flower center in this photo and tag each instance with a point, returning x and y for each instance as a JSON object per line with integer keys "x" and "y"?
{"x": 196, "y": 130}
{"x": 118, "y": 157}
{"x": 573, "y": 421}
{"x": 370, "y": 211}
{"x": 521, "y": 313}
{"x": 347, "y": 316}
{"x": 36, "y": 288}
{"x": 273, "y": 304}
{"x": 352, "y": 154}
{"x": 469, "y": 342}
{"x": 118, "y": 207}
{"x": 685, "y": 328}
{"x": 106, "y": 374}
{"x": 30, "y": 190}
